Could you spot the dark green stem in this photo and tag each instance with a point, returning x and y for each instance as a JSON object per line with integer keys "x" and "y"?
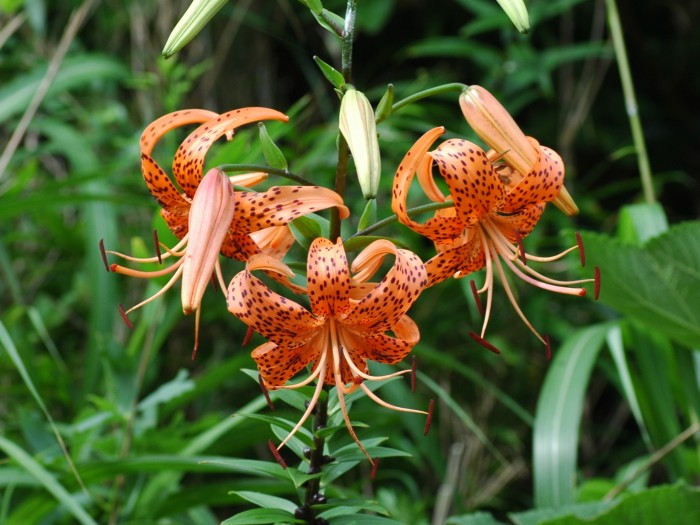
{"x": 247, "y": 168}
{"x": 317, "y": 459}
{"x": 393, "y": 218}
{"x": 341, "y": 172}
{"x": 437, "y": 90}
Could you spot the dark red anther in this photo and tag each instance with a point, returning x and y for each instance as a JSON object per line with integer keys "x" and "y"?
{"x": 157, "y": 245}
{"x": 414, "y": 366}
{"x": 596, "y": 289}
{"x": 104, "y": 255}
{"x": 214, "y": 282}
{"x": 483, "y": 342}
{"x": 429, "y": 418}
{"x": 276, "y": 453}
{"x": 375, "y": 466}
{"x": 477, "y": 299}
{"x": 581, "y": 250}
{"x": 195, "y": 350}
{"x": 521, "y": 246}
{"x": 547, "y": 348}
{"x": 248, "y": 336}
{"x": 265, "y": 392}
{"x": 125, "y": 318}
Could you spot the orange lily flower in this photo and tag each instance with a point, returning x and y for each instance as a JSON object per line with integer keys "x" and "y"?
{"x": 345, "y": 328}
{"x": 494, "y": 209}
{"x": 209, "y": 217}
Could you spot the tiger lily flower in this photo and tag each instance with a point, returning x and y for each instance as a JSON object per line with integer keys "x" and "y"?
{"x": 492, "y": 213}
{"x": 345, "y": 328}
{"x": 209, "y": 217}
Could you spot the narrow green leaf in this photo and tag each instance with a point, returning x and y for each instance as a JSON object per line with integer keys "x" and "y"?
{"x": 47, "y": 480}
{"x": 369, "y": 215}
{"x": 385, "y": 106}
{"x": 558, "y": 415}
{"x": 76, "y": 72}
{"x": 477, "y": 518}
{"x": 332, "y": 75}
{"x": 273, "y": 155}
{"x": 268, "y": 502}
{"x": 260, "y": 517}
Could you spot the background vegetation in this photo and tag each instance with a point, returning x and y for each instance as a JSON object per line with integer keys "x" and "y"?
{"x": 101, "y": 424}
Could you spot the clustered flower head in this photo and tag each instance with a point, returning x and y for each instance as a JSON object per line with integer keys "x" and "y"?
{"x": 495, "y": 198}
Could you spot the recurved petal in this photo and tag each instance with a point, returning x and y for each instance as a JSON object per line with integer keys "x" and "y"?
{"x": 280, "y": 205}
{"x": 189, "y": 159}
{"x": 522, "y": 221}
{"x": 541, "y": 184}
{"x": 275, "y": 317}
{"x": 414, "y": 160}
{"x": 277, "y": 364}
{"x": 328, "y": 278}
{"x": 464, "y": 258}
{"x": 159, "y": 127}
{"x": 380, "y": 347}
{"x": 275, "y": 240}
{"x": 160, "y": 185}
{"x": 382, "y": 308}
{"x": 474, "y": 185}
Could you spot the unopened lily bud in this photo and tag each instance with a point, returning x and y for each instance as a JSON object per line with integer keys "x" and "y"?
{"x": 210, "y": 218}
{"x": 191, "y": 23}
{"x": 517, "y": 12}
{"x": 358, "y": 126}
{"x": 494, "y": 125}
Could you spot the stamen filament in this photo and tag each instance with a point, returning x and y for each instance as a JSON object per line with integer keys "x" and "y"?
{"x": 374, "y": 397}
{"x": 160, "y": 292}
{"x": 142, "y": 274}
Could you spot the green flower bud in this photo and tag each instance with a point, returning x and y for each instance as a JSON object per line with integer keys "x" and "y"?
{"x": 191, "y": 23}
{"x": 360, "y": 131}
{"x": 517, "y": 12}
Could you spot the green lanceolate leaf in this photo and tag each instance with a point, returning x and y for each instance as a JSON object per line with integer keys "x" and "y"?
{"x": 273, "y": 155}
{"x": 657, "y": 284}
{"x": 332, "y": 75}
{"x": 384, "y": 108}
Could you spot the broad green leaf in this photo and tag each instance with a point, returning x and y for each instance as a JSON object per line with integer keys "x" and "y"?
{"x": 558, "y": 415}
{"x": 657, "y": 284}
{"x": 309, "y": 227}
{"x": 640, "y": 222}
{"x": 676, "y": 504}
{"x": 548, "y": 514}
{"x": 360, "y": 519}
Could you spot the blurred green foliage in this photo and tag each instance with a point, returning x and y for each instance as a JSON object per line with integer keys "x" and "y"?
{"x": 151, "y": 437}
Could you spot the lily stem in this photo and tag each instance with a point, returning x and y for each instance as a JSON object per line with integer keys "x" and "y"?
{"x": 411, "y": 212}
{"x": 341, "y": 172}
{"x": 316, "y": 460}
{"x": 630, "y": 100}
{"x": 437, "y": 90}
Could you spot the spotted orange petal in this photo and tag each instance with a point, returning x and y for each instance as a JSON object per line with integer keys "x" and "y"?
{"x": 277, "y": 318}
{"x": 280, "y": 205}
{"x": 523, "y": 221}
{"x": 278, "y": 364}
{"x": 328, "y": 278}
{"x": 382, "y": 348}
{"x": 387, "y": 303}
{"x": 474, "y": 185}
{"x": 413, "y": 161}
{"x": 464, "y": 258}
{"x": 542, "y": 184}
{"x": 188, "y": 164}
{"x": 156, "y": 179}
